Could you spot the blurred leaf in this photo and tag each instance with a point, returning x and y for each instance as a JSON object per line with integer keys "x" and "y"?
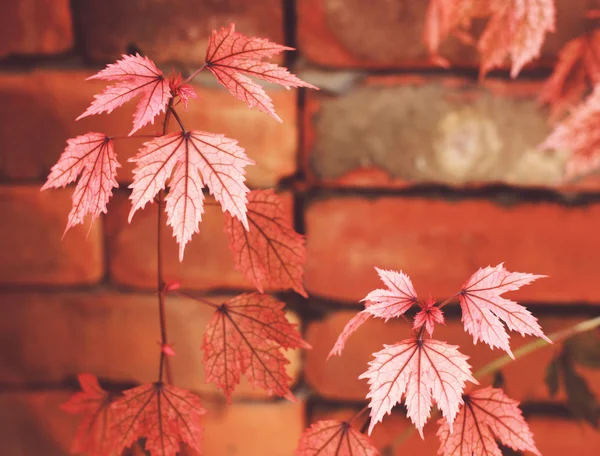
{"x": 499, "y": 380}
{"x": 584, "y": 349}
{"x": 580, "y": 398}
{"x": 552, "y": 377}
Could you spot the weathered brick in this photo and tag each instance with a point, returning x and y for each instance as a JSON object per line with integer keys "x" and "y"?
{"x": 33, "y": 423}
{"x": 337, "y": 378}
{"x": 354, "y": 34}
{"x": 440, "y": 244}
{"x": 113, "y": 335}
{"x": 553, "y": 436}
{"x": 174, "y": 31}
{"x": 35, "y": 27}
{"x": 398, "y": 131}
{"x": 31, "y": 140}
{"x": 207, "y": 264}
{"x": 31, "y": 245}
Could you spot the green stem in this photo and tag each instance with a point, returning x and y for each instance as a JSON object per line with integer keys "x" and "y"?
{"x": 502, "y": 361}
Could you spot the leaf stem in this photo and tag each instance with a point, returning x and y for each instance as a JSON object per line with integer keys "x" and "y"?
{"x": 200, "y": 300}
{"x": 172, "y": 110}
{"x": 194, "y": 74}
{"x": 447, "y": 301}
{"x": 499, "y": 363}
{"x": 164, "y": 360}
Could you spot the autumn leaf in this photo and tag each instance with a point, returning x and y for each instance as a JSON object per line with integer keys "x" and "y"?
{"x": 95, "y": 434}
{"x": 245, "y": 336}
{"x": 484, "y": 310}
{"x": 185, "y": 92}
{"x": 163, "y": 414}
{"x": 577, "y": 70}
{"x": 232, "y": 57}
{"x": 450, "y": 17}
{"x": 393, "y": 301}
{"x": 516, "y": 30}
{"x": 428, "y": 316}
{"x": 91, "y": 157}
{"x": 192, "y": 160}
{"x": 354, "y": 323}
{"x": 135, "y": 76}
{"x": 487, "y": 415}
{"x": 580, "y": 135}
{"x": 270, "y": 252}
{"x": 422, "y": 371}
{"x": 334, "y": 438}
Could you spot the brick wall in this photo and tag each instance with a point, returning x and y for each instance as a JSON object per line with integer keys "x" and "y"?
{"x": 393, "y": 163}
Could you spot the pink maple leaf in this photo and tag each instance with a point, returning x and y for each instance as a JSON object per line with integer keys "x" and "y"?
{"x": 487, "y": 415}
{"x": 517, "y": 30}
{"x": 484, "y": 310}
{"x": 91, "y": 157}
{"x": 185, "y": 92}
{"x": 245, "y": 336}
{"x": 232, "y": 57}
{"x": 192, "y": 160}
{"x": 270, "y": 251}
{"x": 422, "y": 371}
{"x": 393, "y": 301}
{"x": 334, "y": 438}
{"x": 354, "y": 323}
{"x": 428, "y": 316}
{"x": 577, "y": 70}
{"x": 162, "y": 414}
{"x": 95, "y": 433}
{"x": 579, "y": 133}
{"x": 135, "y": 76}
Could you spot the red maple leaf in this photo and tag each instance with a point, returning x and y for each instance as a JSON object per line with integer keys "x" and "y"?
{"x": 95, "y": 433}
{"x": 487, "y": 415}
{"x": 428, "y": 316}
{"x": 577, "y": 70}
{"x": 396, "y": 300}
{"x": 354, "y": 323}
{"x": 450, "y": 17}
{"x": 232, "y": 57}
{"x": 192, "y": 160}
{"x": 579, "y": 134}
{"x": 135, "y": 76}
{"x": 484, "y": 310}
{"x": 334, "y": 438}
{"x": 422, "y": 371}
{"x": 517, "y": 30}
{"x": 162, "y": 414}
{"x": 270, "y": 252}
{"x": 91, "y": 157}
{"x": 245, "y": 336}
{"x": 184, "y": 91}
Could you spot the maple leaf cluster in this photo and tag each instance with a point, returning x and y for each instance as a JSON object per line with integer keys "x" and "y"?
{"x": 515, "y": 29}
{"x": 422, "y": 371}
{"x": 248, "y": 333}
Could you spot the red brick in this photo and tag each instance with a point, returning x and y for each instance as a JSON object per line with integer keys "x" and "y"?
{"x": 175, "y": 31}
{"x": 354, "y": 34}
{"x": 31, "y": 245}
{"x": 440, "y": 244}
{"x": 39, "y": 135}
{"x": 337, "y": 378}
{"x": 207, "y": 264}
{"x": 113, "y": 335}
{"x": 253, "y": 428}
{"x": 35, "y": 27}
{"x": 33, "y": 423}
{"x": 407, "y": 130}
{"x": 554, "y": 436}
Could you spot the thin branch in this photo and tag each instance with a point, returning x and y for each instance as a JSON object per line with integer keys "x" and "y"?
{"x": 194, "y": 74}
{"x": 177, "y": 118}
{"x": 200, "y": 300}
{"x": 164, "y": 360}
